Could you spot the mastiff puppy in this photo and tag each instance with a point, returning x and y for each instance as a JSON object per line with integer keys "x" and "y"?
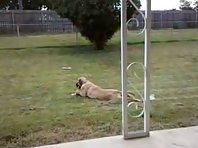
{"x": 86, "y": 88}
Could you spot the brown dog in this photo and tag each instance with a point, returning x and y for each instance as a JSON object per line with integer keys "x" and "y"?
{"x": 86, "y": 88}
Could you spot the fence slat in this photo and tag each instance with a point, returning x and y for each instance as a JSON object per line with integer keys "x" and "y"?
{"x": 35, "y": 21}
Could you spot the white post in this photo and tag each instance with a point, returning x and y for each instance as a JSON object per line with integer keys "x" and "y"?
{"x": 124, "y": 68}
{"x": 147, "y": 67}
{"x": 145, "y": 131}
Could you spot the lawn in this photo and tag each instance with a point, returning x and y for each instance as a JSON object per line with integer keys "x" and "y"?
{"x": 36, "y": 107}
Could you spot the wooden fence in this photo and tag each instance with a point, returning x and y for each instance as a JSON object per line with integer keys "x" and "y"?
{"x": 176, "y": 19}
{"x": 31, "y": 21}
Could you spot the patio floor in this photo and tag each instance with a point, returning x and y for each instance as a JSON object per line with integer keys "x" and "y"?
{"x": 171, "y": 138}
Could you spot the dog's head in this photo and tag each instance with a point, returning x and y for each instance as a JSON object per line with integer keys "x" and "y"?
{"x": 80, "y": 82}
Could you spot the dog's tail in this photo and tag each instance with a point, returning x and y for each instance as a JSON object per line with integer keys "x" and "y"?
{"x": 131, "y": 97}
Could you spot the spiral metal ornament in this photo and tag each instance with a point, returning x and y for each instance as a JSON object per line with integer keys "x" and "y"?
{"x": 135, "y": 89}
{"x": 137, "y": 21}
{"x": 137, "y": 63}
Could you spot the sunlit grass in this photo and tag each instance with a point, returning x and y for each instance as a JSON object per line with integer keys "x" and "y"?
{"x": 35, "y": 103}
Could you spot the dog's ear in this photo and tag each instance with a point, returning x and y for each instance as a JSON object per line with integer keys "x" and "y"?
{"x": 77, "y": 85}
{"x": 80, "y": 82}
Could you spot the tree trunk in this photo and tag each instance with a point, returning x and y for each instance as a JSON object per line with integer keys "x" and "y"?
{"x": 20, "y": 2}
{"x": 99, "y": 45}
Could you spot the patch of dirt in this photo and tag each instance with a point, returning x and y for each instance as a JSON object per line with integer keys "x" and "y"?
{"x": 53, "y": 136}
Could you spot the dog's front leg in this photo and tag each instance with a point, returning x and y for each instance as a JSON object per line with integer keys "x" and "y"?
{"x": 76, "y": 93}
{"x": 80, "y": 92}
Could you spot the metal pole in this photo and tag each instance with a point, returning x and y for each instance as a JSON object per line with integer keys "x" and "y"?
{"x": 145, "y": 132}
{"x": 124, "y": 68}
{"x": 147, "y": 46}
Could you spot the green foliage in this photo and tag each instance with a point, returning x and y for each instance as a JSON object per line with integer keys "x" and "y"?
{"x": 27, "y": 4}
{"x": 97, "y": 20}
{"x": 185, "y": 5}
{"x": 36, "y": 107}
{"x": 195, "y": 4}
{"x": 130, "y": 8}
{"x": 10, "y": 4}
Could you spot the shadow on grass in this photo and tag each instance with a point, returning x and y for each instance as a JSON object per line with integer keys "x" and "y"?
{"x": 166, "y": 41}
{"x": 69, "y": 49}
{"x": 51, "y": 46}
{"x": 84, "y": 49}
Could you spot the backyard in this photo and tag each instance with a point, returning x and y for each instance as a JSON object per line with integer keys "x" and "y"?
{"x": 36, "y": 107}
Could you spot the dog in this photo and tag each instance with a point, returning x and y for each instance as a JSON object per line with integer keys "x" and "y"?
{"x": 86, "y": 88}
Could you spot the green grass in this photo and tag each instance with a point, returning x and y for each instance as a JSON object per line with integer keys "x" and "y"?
{"x": 35, "y": 103}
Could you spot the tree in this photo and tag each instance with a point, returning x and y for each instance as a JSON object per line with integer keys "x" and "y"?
{"x": 6, "y": 4}
{"x": 185, "y": 5}
{"x": 97, "y": 20}
{"x": 195, "y": 4}
{"x": 21, "y": 4}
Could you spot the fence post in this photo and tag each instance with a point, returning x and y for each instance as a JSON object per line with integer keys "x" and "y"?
{"x": 77, "y": 38}
{"x": 13, "y": 21}
{"x": 72, "y": 28}
{"x": 196, "y": 23}
{"x": 18, "y": 30}
{"x": 42, "y": 26}
{"x": 161, "y": 19}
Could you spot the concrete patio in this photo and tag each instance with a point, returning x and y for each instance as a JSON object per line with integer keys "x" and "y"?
{"x": 171, "y": 138}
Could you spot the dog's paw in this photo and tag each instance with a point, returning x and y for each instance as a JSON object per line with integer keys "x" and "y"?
{"x": 73, "y": 94}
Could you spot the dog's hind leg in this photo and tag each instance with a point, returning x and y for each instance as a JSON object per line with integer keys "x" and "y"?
{"x": 115, "y": 101}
